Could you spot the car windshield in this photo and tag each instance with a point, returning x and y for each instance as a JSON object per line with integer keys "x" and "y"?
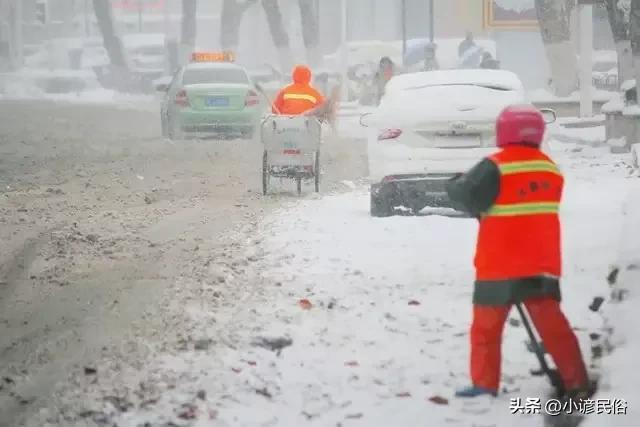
{"x": 196, "y": 76}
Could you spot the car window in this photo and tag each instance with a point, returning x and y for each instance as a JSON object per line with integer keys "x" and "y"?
{"x": 214, "y": 75}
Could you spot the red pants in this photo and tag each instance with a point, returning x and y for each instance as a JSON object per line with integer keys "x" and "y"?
{"x": 554, "y": 330}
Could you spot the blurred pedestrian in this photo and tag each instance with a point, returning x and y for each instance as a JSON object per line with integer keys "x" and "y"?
{"x": 466, "y": 44}
{"x": 386, "y": 70}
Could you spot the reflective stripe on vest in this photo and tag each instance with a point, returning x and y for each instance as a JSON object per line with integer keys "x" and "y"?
{"x": 301, "y": 96}
{"x": 510, "y": 168}
{"x": 517, "y": 209}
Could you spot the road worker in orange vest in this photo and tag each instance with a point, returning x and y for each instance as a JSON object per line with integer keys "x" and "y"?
{"x": 516, "y": 194}
{"x": 299, "y": 97}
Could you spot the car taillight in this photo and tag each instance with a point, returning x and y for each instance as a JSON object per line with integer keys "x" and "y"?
{"x": 181, "y": 98}
{"x": 389, "y": 134}
{"x": 251, "y": 99}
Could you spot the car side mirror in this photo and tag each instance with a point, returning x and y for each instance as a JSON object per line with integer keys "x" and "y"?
{"x": 548, "y": 115}
{"x": 162, "y": 87}
{"x": 362, "y": 118}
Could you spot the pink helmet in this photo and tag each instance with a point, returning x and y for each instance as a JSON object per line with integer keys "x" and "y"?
{"x": 520, "y": 124}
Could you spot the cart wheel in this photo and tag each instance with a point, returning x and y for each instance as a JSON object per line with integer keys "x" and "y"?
{"x": 299, "y": 185}
{"x": 317, "y": 172}
{"x": 265, "y": 173}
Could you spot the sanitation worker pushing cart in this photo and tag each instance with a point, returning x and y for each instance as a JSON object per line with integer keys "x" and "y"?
{"x": 292, "y": 134}
{"x": 516, "y": 194}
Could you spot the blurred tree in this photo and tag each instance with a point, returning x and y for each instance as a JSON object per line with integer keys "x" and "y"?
{"x": 554, "y": 19}
{"x": 278, "y": 33}
{"x": 619, "y": 21}
{"x": 189, "y": 28}
{"x": 310, "y": 30}
{"x": 634, "y": 34}
{"x": 232, "y": 11}
{"x": 112, "y": 43}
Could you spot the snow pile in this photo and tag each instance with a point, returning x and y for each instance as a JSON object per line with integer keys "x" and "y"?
{"x": 621, "y": 374}
{"x": 595, "y": 135}
{"x": 631, "y": 110}
{"x": 544, "y": 96}
{"x": 581, "y": 121}
{"x": 615, "y": 105}
{"x": 71, "y": 86}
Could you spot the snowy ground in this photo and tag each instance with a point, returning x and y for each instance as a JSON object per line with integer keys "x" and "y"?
{"x": 377, "y": 311}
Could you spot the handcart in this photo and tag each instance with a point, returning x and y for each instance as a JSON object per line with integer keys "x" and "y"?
{"x": 291, "y": 150}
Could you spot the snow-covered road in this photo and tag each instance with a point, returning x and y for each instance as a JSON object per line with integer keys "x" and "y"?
{"x": 377, "y": 311}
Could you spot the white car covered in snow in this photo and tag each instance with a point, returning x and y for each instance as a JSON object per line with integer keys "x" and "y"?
{"x": 429, "y": 127}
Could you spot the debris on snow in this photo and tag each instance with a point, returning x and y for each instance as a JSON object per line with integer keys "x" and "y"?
{"x": 264, "y": 392}
{"x": 305, "y": 304}
{"x": 596, "y": 303}
{"x": 276, "y": 344}
{"x": 438, "y": 400}
{"x": 202, "y": 344}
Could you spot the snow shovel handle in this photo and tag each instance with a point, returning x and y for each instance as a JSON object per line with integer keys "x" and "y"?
{"x": 554, "y": 377}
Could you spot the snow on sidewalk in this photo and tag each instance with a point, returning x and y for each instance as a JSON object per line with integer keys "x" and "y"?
{"x": 378, "y": 312}
{"x": 620, "y": 372}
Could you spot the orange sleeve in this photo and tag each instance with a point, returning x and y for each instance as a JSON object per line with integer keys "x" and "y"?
{"x": 278, "y": 103}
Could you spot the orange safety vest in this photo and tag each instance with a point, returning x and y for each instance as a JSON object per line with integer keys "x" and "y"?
{"x": 519, "y": 235}
{"x": 297, "y": 99}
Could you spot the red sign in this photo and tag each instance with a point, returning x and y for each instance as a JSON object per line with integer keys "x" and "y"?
{"x": 138, "y": 4}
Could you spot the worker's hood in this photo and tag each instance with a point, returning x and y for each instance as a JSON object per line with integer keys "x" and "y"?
{"x": 302, "y": 75}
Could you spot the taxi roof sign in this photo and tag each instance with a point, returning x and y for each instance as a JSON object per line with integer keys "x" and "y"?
{"x": 212, "y": 57}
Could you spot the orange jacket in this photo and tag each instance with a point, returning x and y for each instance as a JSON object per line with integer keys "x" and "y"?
{"x": 519, "y": 235}
{"x": 299, "y": 97}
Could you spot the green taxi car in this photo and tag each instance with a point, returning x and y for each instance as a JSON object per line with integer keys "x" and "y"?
{"x": 210, "y": 99}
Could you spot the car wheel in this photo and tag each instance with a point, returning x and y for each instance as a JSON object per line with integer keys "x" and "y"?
{"x": 299, "y": 185}
{"x": 175, "y": 132}
{"x": 380, "y": 206}
{"x": 316, "y": 172}
{"x": 265, "y": 173}
{"x": 163, "y": 127}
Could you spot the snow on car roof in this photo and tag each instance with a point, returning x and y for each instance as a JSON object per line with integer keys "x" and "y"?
{"x": 495, "y": 78}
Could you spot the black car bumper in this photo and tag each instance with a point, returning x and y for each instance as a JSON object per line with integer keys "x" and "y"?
{"x": 412, "y": 193}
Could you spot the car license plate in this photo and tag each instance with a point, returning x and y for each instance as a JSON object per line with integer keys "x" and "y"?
{"x": 216, "y": 101}
{"x": 457, "y": 140}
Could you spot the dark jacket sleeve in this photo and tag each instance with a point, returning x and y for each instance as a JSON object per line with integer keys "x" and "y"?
{"x": 477, "y": 190}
